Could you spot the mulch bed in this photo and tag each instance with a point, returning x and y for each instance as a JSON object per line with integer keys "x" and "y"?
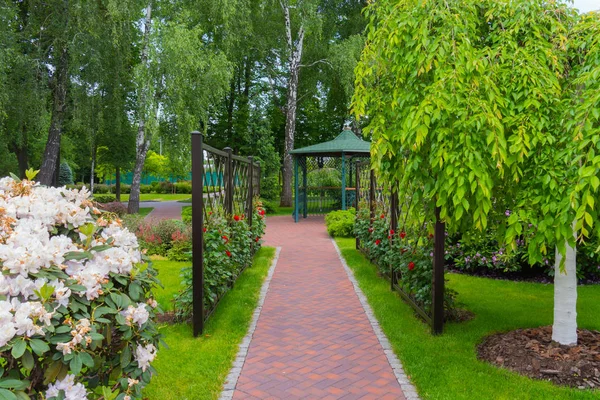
{"x": 532, "y": 352}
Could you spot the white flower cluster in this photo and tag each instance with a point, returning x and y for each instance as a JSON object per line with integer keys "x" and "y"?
{"x": 72, "y": 390}
{"x": 144, "y": 355}
{"x": 136, "y": 315}
{"x": 32, "y": 218}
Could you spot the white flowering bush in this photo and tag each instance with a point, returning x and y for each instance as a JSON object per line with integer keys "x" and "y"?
{"x": 77, "y": 320}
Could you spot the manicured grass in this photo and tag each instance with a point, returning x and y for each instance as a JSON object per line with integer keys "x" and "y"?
{"x": 446, "y": 367}
{"x": 195, "y": 368}
{"x": 158, "y": 197}
{"x": 145, "y": 211}
{"x": 169, "y": 275}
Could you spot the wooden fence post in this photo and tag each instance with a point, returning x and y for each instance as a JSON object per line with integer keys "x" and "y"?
{"x": 249, "y": 205}
{"x": 372, "y": 197}
{"x": 197, "y": 233}
{"x": 229, "y": 182}
{"x": 438, "y": 275}
{"x": 393, "y": 226}
{"x": 356, "y": 196}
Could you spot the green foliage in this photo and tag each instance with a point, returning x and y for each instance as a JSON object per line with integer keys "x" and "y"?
{"x": 104, "y": 198}
{"x": 270, "y": 188}
{"x": 65, "y": 175}
{"x": 115, "y": 207}
{"x": 159, "y": 237}
{"x": 341, "y": 223}
{"x": 229, "y": 242}
{"x": 269, "y": 206}
{"x": 408, "y": 252}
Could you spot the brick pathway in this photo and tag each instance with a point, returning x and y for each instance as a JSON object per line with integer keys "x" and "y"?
{"x": 313, "y": 339}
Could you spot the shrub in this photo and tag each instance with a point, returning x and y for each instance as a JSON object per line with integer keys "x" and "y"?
{"x": 269, "y": 187}
{"x": 228, "y": 245}
{"x": 183, "y": 187}
{"x": 269, "y": 206}
{"x": 65, "y": 175}
{"x": 125, "y": 189}
{"x": 144, "y": 189}
{"x": 157, "y": 236}
{"x": 101, "y": 188}
{"x": 186, "y": 214}
{"x": 79, "y": 319}
{"x": 104, "y": 198}
{"x": 115, "y": 207}
{"x": 409, "y": 253}
{"x": 341, "y": 223}
{"x": 164, "y": 187}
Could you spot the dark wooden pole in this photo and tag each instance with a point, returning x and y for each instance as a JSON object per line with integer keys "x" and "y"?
{"x": 249, "y": 206}
{"x": 197, "y": 234}
{"x": 372, "y": 196}
{"x": 357, "y": 197}
{"x": 438, "y": 274}
{"x": 305, "y": 184}
{"x": 393, "y": 226}
{"x": 229, "y": 182}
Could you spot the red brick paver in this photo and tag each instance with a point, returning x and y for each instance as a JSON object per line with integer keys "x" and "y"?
{"x": 313, "y": 339}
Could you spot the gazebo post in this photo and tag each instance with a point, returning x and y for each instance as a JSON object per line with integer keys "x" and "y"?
{"x": 343, "y": 181}
{"x": 296, "y": 199}
{"x": 305, "y": 185}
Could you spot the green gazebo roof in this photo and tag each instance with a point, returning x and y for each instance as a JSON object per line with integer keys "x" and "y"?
{"x": 346, "y": 142}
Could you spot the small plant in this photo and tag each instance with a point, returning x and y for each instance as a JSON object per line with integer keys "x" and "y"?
{"x": 104, "y": 198}
{"x": 115, "y": 207}
{"x": 65, "y": 175}
{"x": 341, "y": 223}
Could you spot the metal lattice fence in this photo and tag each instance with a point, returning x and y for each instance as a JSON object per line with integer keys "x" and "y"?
{"x": 221, "y": 182}
{"x": 377, "y": 197}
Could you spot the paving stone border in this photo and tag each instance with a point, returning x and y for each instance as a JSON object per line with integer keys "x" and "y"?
{"x": 240, "y": 358}
{"x": 409, "y": 390}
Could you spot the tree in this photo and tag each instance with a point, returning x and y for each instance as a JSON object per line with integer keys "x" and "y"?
{"x": 465, "y": 104}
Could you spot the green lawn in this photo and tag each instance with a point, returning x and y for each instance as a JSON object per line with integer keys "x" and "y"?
{"x": 446, "y": 367}
{"x": 145, "y": 211}
{"x": 168, "y": 273}
{"x": 158, "y": 197}
{"x": 195, "y": 368}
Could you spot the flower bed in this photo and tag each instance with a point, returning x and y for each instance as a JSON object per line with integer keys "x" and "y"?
{"x": 409, "y": 253}
{"x": 77, "y": 318}
{"x": 229, "y": 243}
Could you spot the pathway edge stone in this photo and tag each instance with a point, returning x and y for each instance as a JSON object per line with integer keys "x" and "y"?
{"x": 240, "y": 358}
{"x": 409, "y": 390}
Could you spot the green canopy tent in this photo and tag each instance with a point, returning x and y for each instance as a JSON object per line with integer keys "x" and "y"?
{"x": 323, "y": 185}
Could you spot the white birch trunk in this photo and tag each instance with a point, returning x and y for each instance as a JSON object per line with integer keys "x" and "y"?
{"x": 564, "y": 330}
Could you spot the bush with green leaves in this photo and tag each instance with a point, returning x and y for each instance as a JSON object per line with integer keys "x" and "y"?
{"x": 77, "y": 316}
{"x": 229, "y": 242}
{"x": 104, "y": 198}
{"x": 158, "y": 237}
{"x": 270, "y": 188}
{"x": 341, "y": 223}
{"x": 408, "y": 252}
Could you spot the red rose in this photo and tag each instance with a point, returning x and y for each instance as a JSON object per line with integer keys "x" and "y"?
{"x": 225, "y": 238}
{"x": 402, "y": 234}
{"x": 403, "y": 251}
{"x": 391, "y": 232}
{"x": 204, "y": 229}
{"x": 257, "y": 239}
{"x": 389, "y": 236}
{"x": 228, "y": 253}
{"x": 261, "y": 211}
{"x": 236, "y": 217}
{"x": 411, "y": 266}
{"x": 430, "y": 236}
{"x": 377, "y": 242}
{"x": 370, "y": 230}
{"x": 382, "y": 216}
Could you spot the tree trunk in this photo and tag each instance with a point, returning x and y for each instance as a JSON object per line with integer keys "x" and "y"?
{"x": 142, "y": 143}
{"x": 20, "y": 151}
{"x": 93, "y": 168}
{"x": 564, "y": 329}
{"x": 59, "y": 96}
{"x": 230, "y": 105}
{"x": 292, "y": 104}
{"x": 118, "y": 183}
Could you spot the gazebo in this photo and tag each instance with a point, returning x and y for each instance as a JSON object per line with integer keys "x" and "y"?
{"x": 321, "y": 172}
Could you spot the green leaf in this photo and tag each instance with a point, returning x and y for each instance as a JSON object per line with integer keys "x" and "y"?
{"x": 7, "y": 395}
{"x": 28, "y": 361}
{"x": 39, "y": 346}
{"x": 86, "y": 359}
{"x": 78, "y": 255}
{"x": 13, "y": 384}
{"x": 100, "y": 248}
{"x": 125, "y": 357}
{"x": 18, "y": 348}
{"x": 75, "y": 364}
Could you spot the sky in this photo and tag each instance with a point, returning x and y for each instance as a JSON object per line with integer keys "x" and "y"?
{"x": 587, "y": 5}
